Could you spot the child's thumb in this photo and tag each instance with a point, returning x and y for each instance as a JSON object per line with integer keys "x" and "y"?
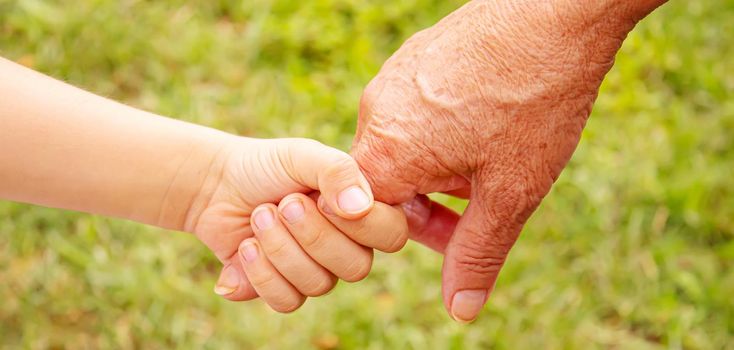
{"x": 333, "y": 172}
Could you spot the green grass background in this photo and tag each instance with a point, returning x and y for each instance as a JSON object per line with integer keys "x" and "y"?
{"x": 633, "y": 248}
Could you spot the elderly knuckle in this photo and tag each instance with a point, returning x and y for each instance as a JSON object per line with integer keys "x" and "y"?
{"x": 480, "y": 262}
{"x": 369, "y": 96}
{"x": 484, "y": 253}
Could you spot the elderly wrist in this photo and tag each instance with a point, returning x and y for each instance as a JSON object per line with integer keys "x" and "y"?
{"x": 612, "y": 15}
{"x": 639, "y": 9}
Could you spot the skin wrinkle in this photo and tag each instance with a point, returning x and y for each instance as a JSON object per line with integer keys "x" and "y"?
{"x": 313, "y": 240}
{"x": 441, "y": 168}
{"x": 316, "y": 286}
{"x": 283, "y": 303}
{"x": 270, "y": 161}
{"x": 222, "y": 242}
{"x": 508, "y": 203}
{"x": 442, "y": 102}
{"x": 541, "y": 61}
{"x": 396, "y": 243}
{"x": 355, "y": 270}
{"x": 340, "y": 171}
{"x": 263, "y": 280}
{"x": 383, "y": 133}
{"x": 162, "y": 212}
{"x": 242, "y": 163}
{"x": 191, "y": 221}
{"x": 501, "y": 246}
{"x": 359, "y": 229}
{"x": 372, "y": 154}
{"x": 476, "y": 258}
{"x": 279, "y": 252}
{"x": 285, "y": 161}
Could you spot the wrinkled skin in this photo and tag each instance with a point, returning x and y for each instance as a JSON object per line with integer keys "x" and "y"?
{"x": 488, "y": 104}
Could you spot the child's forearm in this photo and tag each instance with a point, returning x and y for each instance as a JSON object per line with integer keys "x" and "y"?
{"x": 63, "y": 147}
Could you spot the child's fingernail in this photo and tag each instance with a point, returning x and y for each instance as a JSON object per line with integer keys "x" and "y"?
{"x": 264, "y": 219}
{"x": 228, "y": 281}
{"x": 467, "y": 304}
{"x": 293, "y": 211}
{"x": 353, "y": 200}
{"x": 248, "y": 250}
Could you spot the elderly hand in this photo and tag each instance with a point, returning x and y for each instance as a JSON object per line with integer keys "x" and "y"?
{"x": 487, "y": 104}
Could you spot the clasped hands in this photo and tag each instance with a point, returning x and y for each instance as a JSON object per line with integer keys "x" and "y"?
{"x": 487, "y": 105}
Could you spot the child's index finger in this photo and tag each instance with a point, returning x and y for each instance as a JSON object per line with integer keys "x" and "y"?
{"x": 384, "y": 228}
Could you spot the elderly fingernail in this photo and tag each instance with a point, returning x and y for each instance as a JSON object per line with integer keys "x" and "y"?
{"x": 264, "y": 219}
{"x": 325, "y": 206}
{"x": 353, "y": 200}
{"x": 293, "y": 211}
{"x": 418, "y": 211}
{"x": 228, "y": 281}
{"x": 467, "y": 304}
{"x": 248, "y": 250}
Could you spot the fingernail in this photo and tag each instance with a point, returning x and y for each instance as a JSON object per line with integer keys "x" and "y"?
{"x": 420, "y": 203}
{"x": 293, "y": 211}
{"x": 324, "y": 206}
{"x": 467, "y": 304}
{"x": 264, "y": 219}
{"x": 228, "y": 281}
{"x": 418, "y": 211}
{"x": 248, "y": 250}
{"x": 353, "y": 200}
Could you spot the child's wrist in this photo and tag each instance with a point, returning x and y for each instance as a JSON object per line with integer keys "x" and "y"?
{"x": 195, "y": 180}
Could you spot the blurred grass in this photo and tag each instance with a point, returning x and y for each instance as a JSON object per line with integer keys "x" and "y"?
{"x": 633, "y": 248}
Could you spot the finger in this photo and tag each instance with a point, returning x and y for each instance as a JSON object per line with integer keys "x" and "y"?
{"x": 333, "y": 172}
{"x": 322, "y": 241}
{"x": 384, "y": 228}
{"x": 265, "y": 279}
{"x": 233, "y": 283}
{"x": 223, "y": 233}
{"x": 476, "y": 252}
{"x": 430, "y": 223}
{"x": 284, "y": 252}
{"x": 462, "y": 193}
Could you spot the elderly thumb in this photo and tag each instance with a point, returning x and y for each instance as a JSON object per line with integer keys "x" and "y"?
{"x": 478, "y": 248}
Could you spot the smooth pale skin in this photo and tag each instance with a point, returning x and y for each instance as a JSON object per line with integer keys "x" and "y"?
{"x": 489, "y": 105}
{"x": 63, "y": 147}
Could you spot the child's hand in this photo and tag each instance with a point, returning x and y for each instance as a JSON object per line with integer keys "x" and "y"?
{"x": 301, "y": 247}
{"x": 83, "y": 152}
{"x": 249, "y": 172}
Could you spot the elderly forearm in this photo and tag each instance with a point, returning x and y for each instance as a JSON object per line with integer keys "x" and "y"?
{"x": 641, "y": 8}
{"x": 63, "y": 147}
{"x": 623, "y": 14}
